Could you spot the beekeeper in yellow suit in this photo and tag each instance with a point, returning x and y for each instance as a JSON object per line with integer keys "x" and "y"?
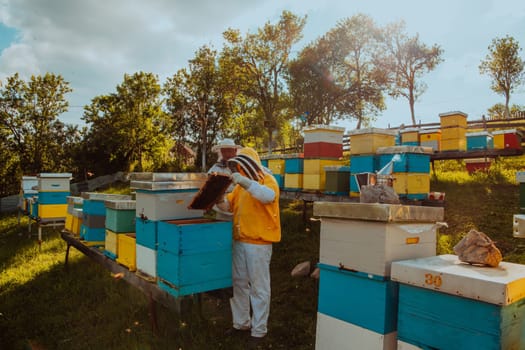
{"x": 254, "y": 203}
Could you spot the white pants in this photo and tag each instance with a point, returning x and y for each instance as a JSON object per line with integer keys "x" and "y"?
{"x": 251, "y": 286}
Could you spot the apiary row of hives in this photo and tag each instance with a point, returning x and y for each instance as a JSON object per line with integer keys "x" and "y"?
{"x": 156, "y": 234}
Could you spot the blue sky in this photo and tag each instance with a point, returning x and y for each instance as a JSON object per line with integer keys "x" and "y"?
{"x": 92, "y": 44}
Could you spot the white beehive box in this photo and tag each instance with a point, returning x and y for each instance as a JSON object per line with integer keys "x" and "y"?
{"x": 334, "y": 334}
{"x": 518, "y": 226}
{"x": 54, "y": 182}
{"x": 323, "y": 133}
{"x": 367, "y": 237}
{"x": 146, "y": 261}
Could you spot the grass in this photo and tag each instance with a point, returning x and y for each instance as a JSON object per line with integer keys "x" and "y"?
{"x": 45, "y": 306}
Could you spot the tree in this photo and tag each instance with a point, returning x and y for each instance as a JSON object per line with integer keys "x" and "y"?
{"x": 31, "y": 111}
{"x": 505, "y": 67}
{"x": 407, "y": 59}
{"x": 262, "y": 60}
{"x": 127, "y": 127}
{"x": 354, "y": 44}
{"x": 498, "y": 111}
{"x": 313, "y": 91}
{"x": 198, "y": 103}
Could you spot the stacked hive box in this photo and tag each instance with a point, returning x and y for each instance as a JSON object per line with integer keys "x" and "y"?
{"x": 507, "y": 139}
{"x": 430, "y": 138}
{"x": 28, "y": 189}
{"x": 359, "y": 242}
{"x": 74, "y": 214}
{"x": 453, "y": 131}
{"x": 194, "y": 255}
{"x": 323, "y": 145}
{"x": 53, "y": 190}
{"x": 160, "y": 196}
{"x": 120, "y": 220}
{"x": 277, "y": 167}
{"x": 363, "y": 146}
{"x": 337, "y": 180}
{"x": 409, "y": 136}
{"x": 447, "y": 304}
{"x": 93, "y": 227}
{"x": 411, "y": 172}
{"x": 480, "y": 140}
{"x": 293, "y": 172}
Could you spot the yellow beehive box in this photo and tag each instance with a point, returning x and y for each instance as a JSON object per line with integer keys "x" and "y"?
{"x": 293, "y": 181}
{"x": 409, "y": 135}
{"x": 75, "y": 226}
{"x": 452, "y": 119}
{"x": 111, "y": 242}
{"x": 498, "y": 140}
{"x": 69, "y": 222}
{"x": 411, "y": 183}
{"x": 452, "y": 133}
{"x": 367, "y": 141}
{"x": 454, "y": 145}
{"x": 126, "y": 251}
{"x": 48, "y": 211}
{"x": 314, "y": 166}
{"x": 430, "y": 138}
{"x": 276, "y": 166}
{"x": 314, "y": 182}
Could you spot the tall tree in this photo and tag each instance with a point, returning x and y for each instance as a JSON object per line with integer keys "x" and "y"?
{"x": 354, "y": 43}
{"x": 313, "y": 91}
{"x": 32, "y": 114}
{"x": 197, "y": 102}
{"x": 504, "y": 66}
{"x": 127, "y": 126}
{"x": 407, "y": 59}
{"x": 262, "y": 59}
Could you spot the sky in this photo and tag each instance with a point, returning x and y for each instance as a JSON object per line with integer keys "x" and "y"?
{"x": 93, "y": 43}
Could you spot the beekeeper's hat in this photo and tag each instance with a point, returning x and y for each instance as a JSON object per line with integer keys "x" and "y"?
{"x": 225, "y": 143}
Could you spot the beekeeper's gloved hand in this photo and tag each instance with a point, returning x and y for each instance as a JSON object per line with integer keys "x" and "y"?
{"x": 237, "y": 178}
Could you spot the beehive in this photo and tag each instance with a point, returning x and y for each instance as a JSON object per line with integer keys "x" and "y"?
{"x": 453, "y": 119}
{"x": 194, "y": 255}
{"x": 366, "y": 141}
{"x": 337, "y": 180}
{"x": 367, "y": 237}
{"x": 120, "y": 215}
{"x": 447, "y": 304}
{"x": 479, "y": 140}
{"x": 54, "y": 182}
{"x": 430, "y": 138}
{"x": 409, "y": 136}
{"x": 126, "y": 251}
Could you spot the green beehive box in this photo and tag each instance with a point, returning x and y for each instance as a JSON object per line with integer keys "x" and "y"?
{"x": 337, "y": 180}
{"x": 120, "y": 215}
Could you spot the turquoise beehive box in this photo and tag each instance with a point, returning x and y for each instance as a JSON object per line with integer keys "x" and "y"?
{"x": 194, "y": 255}
{"x": 120, "y": 215}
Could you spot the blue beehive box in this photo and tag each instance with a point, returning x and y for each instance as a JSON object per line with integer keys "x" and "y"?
{"x": 293, "y": 165}
{"x": 53, "y": 197}
{"x": 363, "y": 164}
{"x": 447, "y": 304}
{"x": 146, "y": 232}
{"x": 92, "y": 234}
{"x": 405, "y": 159}
{"x": 194, "y": 255}
{"x": 479, "y": 140}
{"x": 366, "y": 300}
{"x": 280, "y": 180}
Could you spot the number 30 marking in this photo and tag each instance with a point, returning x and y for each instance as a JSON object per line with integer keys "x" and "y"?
{"x": 433, "y": 280}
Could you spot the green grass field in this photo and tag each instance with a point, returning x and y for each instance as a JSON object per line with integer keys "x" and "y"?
{"x": 45, "y": 306}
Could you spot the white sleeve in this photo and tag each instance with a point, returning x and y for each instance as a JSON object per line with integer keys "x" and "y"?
{"x": 263, "y": 194}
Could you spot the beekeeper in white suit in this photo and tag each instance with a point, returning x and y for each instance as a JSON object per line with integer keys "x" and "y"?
{"x": 225, "y": 150}
{"x": 254, "y": 203}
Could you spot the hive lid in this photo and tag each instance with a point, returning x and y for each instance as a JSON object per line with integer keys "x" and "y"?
{"x": 404, "y": 149}
{"x": 378, "y": 212}
{"x": 120, "y": 204}
{"x": 164, "y": 177}
{"x": 448, "y": 114}
{"x": 55, "y": 175}
{"x": 74, "y": 200}
{"x": 318, "y": 127}
{"x": 96, "y": 196}
{"x": 371, "y": 131}
{"x": 502, "y": 285}
{"x": 165, "y": 185}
